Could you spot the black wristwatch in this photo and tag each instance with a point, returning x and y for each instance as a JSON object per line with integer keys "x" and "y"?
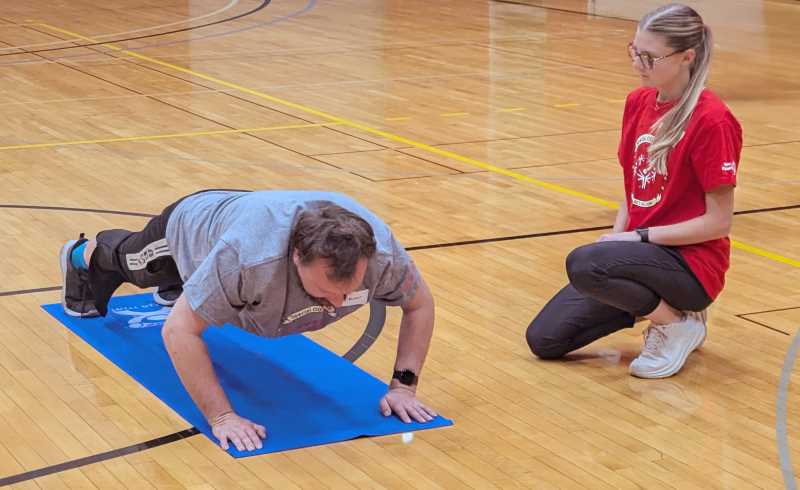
{"x": 406, "y": 377}
{"x": 644, "y": 234}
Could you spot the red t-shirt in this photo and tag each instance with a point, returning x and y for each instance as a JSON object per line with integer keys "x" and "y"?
{"x": 706, "y": 157}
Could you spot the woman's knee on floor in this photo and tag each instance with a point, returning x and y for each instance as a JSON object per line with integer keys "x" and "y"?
{"x": 544, "y": 344}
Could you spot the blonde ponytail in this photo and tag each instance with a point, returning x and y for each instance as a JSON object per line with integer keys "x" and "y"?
{"x": 683, "y": 29}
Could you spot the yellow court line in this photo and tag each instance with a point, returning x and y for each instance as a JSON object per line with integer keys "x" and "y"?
{"x": 569, "y": 104}
{"x": 402, "y": 139}
{"x": 160, "y": 136}
{"x": 454, "y": 114}
{"x": 765, "y": 253}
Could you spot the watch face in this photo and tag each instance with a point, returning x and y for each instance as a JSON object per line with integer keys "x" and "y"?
{"x": 406, "y": 377}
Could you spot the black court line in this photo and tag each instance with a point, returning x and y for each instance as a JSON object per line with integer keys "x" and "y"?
{"x": 767, "y": 210}
{"x": 773, "y": 311}
{"x": 507, "y": 238}
{"x": 760, "y": 145}
{"x": 261, "y": 6}
{"x": 566, "y": 11}
{"x": 83, "y": 210}
{"x": 568, "y": 232}
{"x": 96, "y": 458}
{"x": 29, "y": 291}
{"x": 744, "y": 317}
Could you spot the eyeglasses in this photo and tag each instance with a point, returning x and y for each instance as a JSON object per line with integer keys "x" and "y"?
{"x": 646, "y": 59}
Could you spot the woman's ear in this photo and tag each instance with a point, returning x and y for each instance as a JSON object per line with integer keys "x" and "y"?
{"x": 688, "y": 57}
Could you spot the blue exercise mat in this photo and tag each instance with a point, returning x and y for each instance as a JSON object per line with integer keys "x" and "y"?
{"x": 303, "y": 393}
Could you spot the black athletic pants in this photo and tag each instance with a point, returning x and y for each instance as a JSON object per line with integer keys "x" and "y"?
{"x": 612, "y": 283}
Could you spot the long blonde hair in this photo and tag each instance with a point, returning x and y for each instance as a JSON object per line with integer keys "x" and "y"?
{"x": 682, "y": 28}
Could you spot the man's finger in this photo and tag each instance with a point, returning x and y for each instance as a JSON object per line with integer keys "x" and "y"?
{"x": 429, "y": 411}
{"x": 416, "y": 414}
{"x": 253, "y": 438}
{"x": 386, "y": 410}
{"x": 402, "y": 413}
{"x": 244, "y": 436}
{"x": 237, "y": 441}
{"x": 423, "y": 413}
{"x": 248, "y": 444}
{"x": 261, "y": 431}
{"x": 223, "y": 442}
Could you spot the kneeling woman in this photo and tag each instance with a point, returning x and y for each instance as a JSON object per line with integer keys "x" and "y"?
{"x": 667, "y": 256}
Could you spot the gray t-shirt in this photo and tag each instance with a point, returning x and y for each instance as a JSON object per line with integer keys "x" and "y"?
{"x": 232, "y": 252}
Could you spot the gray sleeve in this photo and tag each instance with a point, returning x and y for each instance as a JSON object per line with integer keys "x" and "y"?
{"x": 399, "y": 278}
{"x": 213, "y": 288}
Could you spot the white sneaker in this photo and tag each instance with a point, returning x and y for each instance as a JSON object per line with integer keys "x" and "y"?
{"x": 666, "y": 347}
{"x": 702, "y": 317}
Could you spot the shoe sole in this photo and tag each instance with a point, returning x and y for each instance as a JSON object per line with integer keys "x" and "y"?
{"x": 161, "y": 301}
{"x": 63, "y": 262}
{"x": 675, "y": 366}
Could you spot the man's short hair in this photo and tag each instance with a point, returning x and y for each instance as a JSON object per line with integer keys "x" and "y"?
{"x": 330, "y": 232}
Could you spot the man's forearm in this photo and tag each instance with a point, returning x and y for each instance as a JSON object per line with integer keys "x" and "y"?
{"x": 190, "y": 357}
{"x": 416, "y": 330}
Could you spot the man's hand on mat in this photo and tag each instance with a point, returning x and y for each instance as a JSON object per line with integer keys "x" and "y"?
{"x": 627, "y": 236}
{"x": 243, "y": 433}
{"x": 403, "y": 402}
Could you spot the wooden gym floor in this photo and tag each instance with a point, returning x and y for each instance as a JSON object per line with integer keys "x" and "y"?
{"x": 456, "y": 121}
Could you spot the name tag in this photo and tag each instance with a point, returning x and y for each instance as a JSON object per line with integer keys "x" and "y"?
{"x": 356, "y": 298}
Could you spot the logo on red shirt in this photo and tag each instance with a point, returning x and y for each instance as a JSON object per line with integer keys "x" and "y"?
{"x": 646, "y": 191}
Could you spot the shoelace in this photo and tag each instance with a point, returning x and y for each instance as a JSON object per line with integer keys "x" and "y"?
{"x": 654, "y": 338}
